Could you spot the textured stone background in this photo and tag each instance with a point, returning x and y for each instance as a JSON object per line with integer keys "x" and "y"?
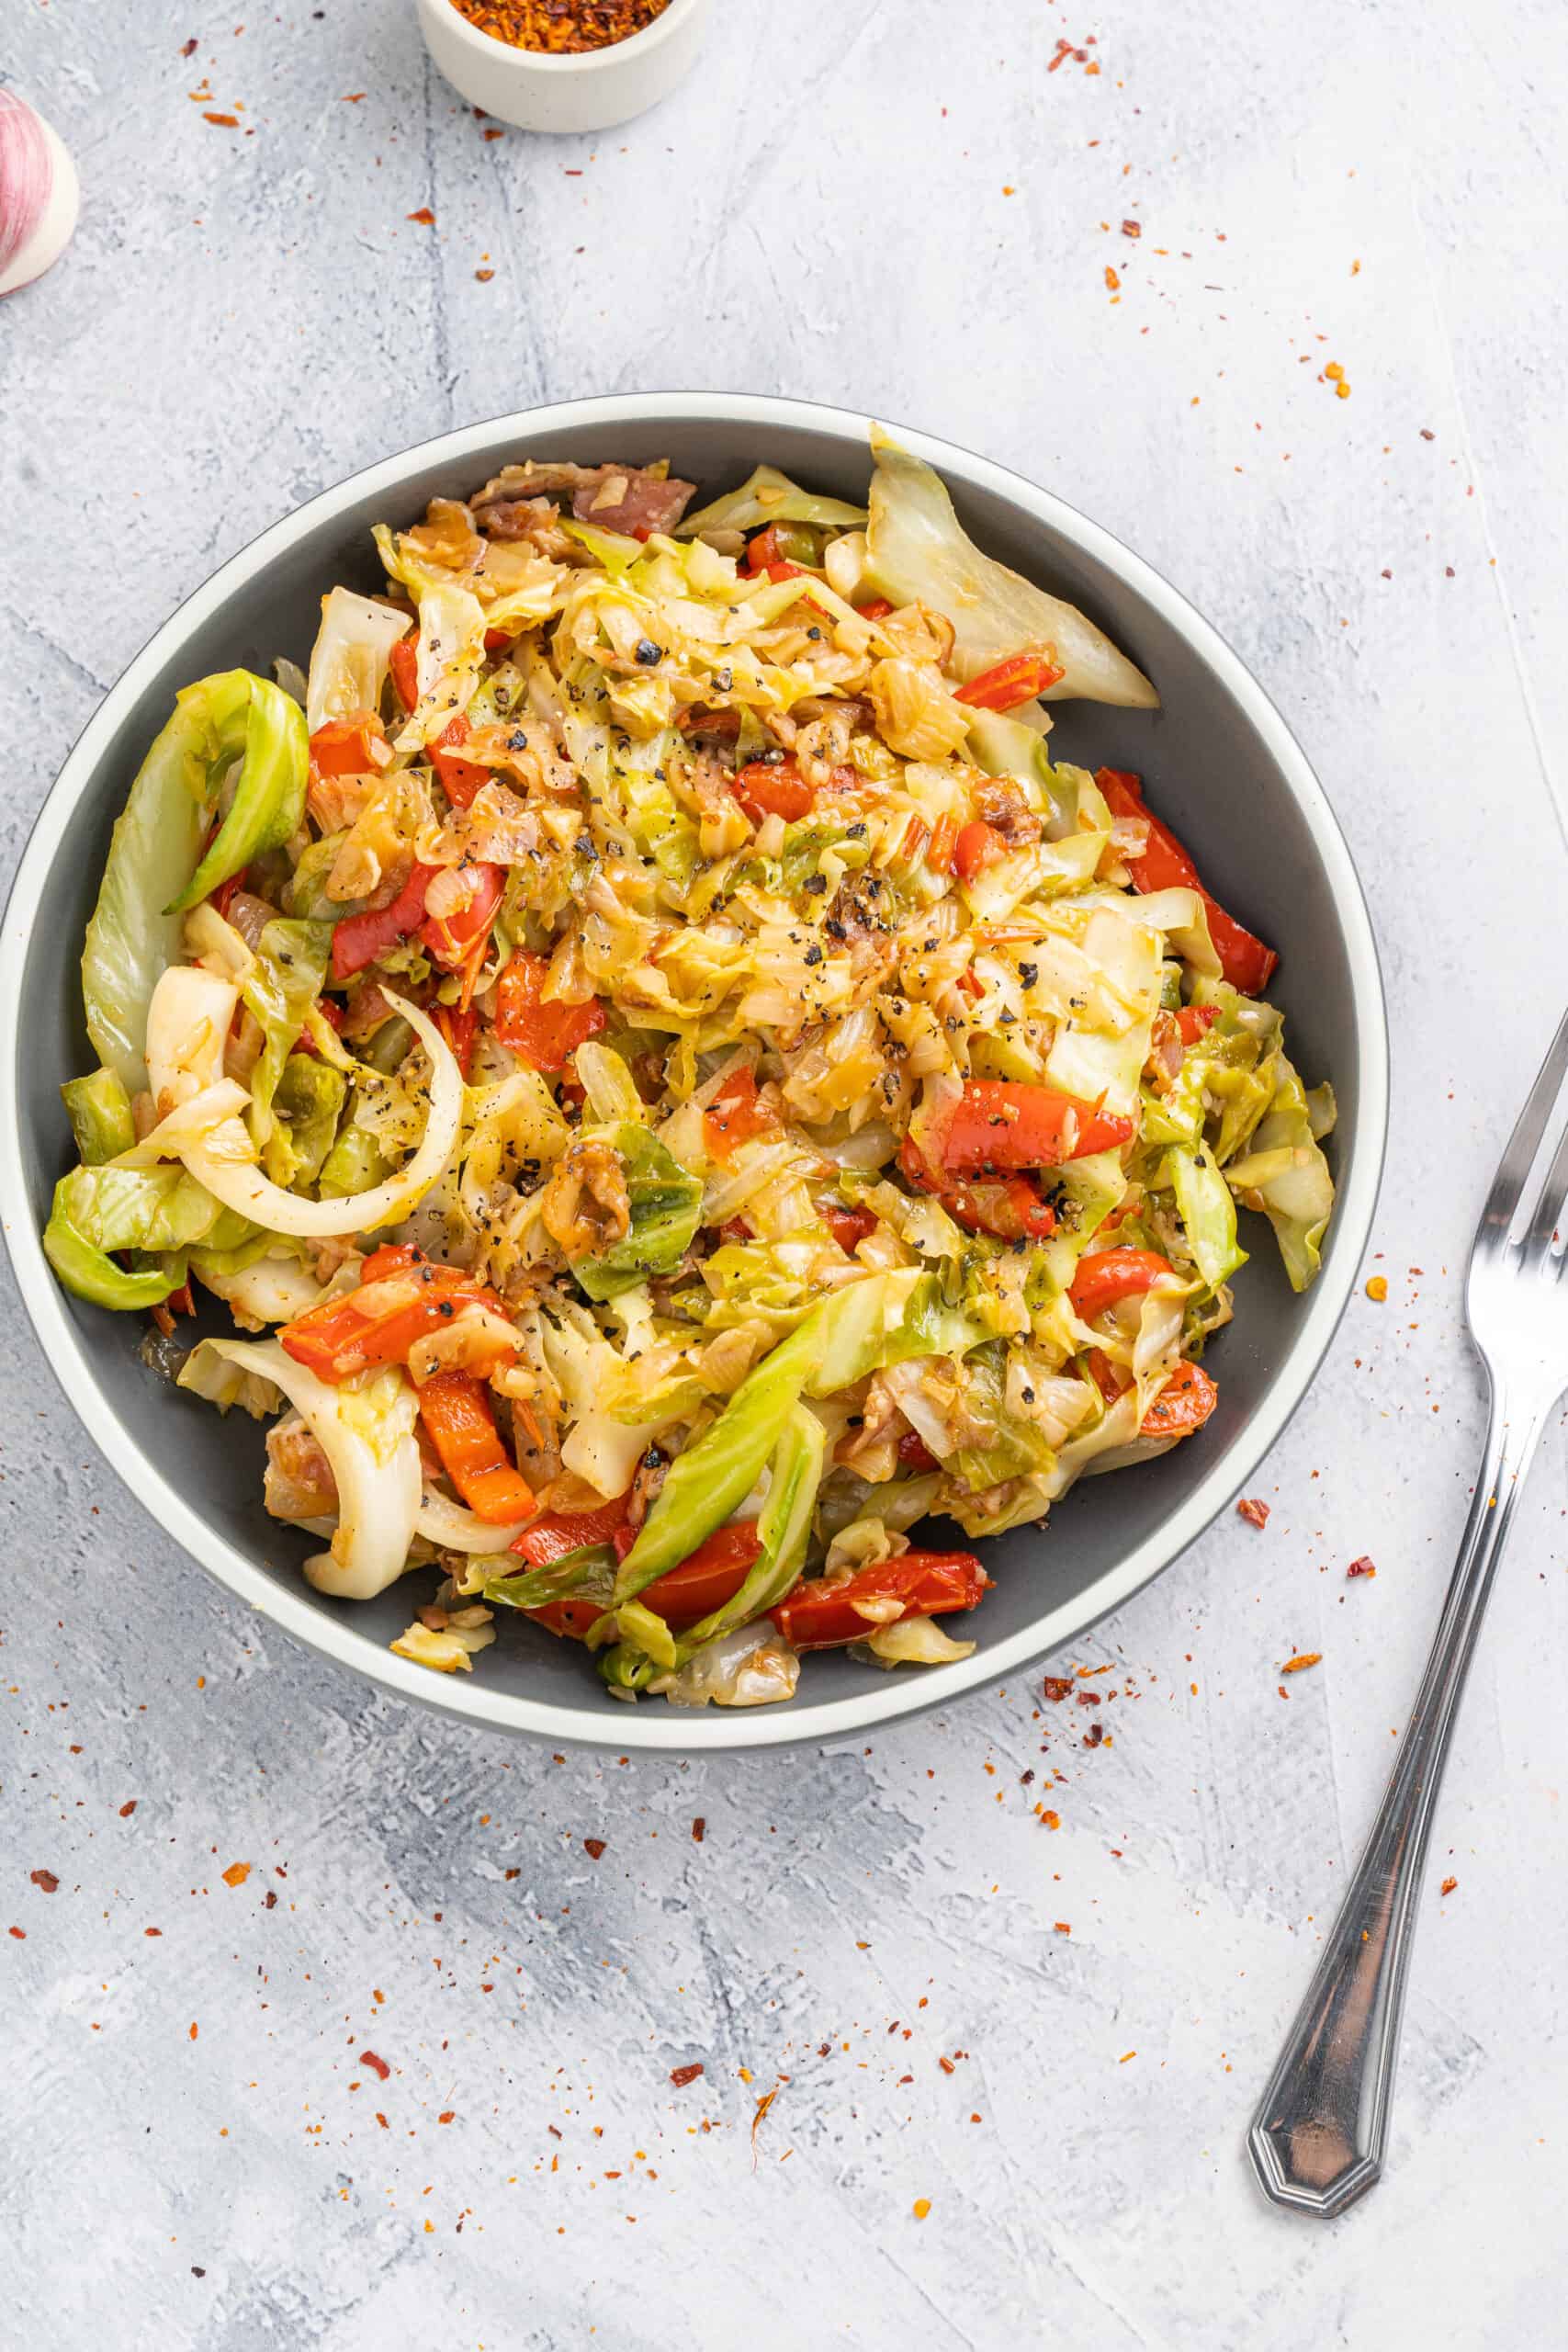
{"x": 900, "y": 206}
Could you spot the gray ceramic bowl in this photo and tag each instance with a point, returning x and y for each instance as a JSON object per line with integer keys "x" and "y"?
{"x": 1219, "y": 760}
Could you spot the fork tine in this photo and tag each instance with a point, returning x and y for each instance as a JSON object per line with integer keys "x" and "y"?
{"x": 1503, "y": 1200}
{"x": 1548, "y": 1207}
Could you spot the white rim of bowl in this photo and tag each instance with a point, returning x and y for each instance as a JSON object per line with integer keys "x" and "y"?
{"x": 667, "y": 1730}
{"x": 582, "y": 61}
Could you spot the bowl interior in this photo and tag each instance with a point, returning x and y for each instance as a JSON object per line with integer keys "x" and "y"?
{"x": 1216, "y": 762}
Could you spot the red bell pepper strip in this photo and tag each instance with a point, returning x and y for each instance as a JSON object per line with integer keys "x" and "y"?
{"x": 560, "y": 1532}
{"x": 358, "y": 939}
{"x": 1017, "y": 680}
{"x": 877, "y": 610}
{"x": 977, "y": 846}
{"x": 347, "y": 746}
{"x": 706, "y": 1578}
{"x": 461, "y": 780}
{"x": 1165, "y": 865}
{"x": 380, "y": 1322}
{"x": 496, "y": 637}
{"x": 735, "y": 1115}
{"x": 1183, "y": 1405}
{"x": 1104, "y": 1276}
{"x": 403, "y": 663}
{"x": 847, "y": 1227}
{"x": 1004, "y": 1124}
{"x": 1194, "y": 1020}
{"x": 543, "y": 1033}
{"x": 822, "y": 1616}
{"x": 450, "y": 940}
{"x": 1009, "y": 1207}
{"x": 224, "y": 897}
{"x": 772, "y": 788}
{"x": 459, "y": 1024}
{"x": 330, "y": 1011}
{"x": 456, "y": 1410}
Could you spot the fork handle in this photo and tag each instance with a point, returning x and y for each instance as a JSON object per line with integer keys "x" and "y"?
{"x": 1319, "y": 2135}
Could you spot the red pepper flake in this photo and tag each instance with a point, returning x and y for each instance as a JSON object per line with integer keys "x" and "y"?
{"x": 424, "y": 216}
{"x": 1064, "y": 50}
{"x": 1094, "y": 1734}
{"x": 1058, "y": 1687}
{"x": 1361, "y": 1568}
{"x": 20, "y": 1933}
{"x": 128, "y": 1808}
{"x": 495, "y": 134}
{"x": 512, "y": 1874}
{"x": 699, "y": 1830}
{"x": 446, "y": 2114}
{"x": 382, "y": 2120}
{"x": 1426, "y": 434}
{"x": 682, "y": 2075}
{"x": 555, "y": 2131}
{"x": 151, "y": 1931}
{"x": 946, "y": 2065}
{"x": 1089, "y": 1698}
{"x": 194, "y": 2030}
{"x": 236, "y": 1874}
{"x": 377, "y": 2065}
{"x": 1061, "y": 1928}
{"x": 1132, "y": 228}
{"x": 188, "y": 48}
{"x": 269, "y": 1900}
{"x": 1112, "y": 283}
{"x": 1303, "y": 1659}
{"x": 1447, "y": 1886}
{"x": 45, "y": 1880}
{"x": 352, "y": 97}
{"x": 484, "y": 275}
{"x": 1254, "y": 1510}
{"x": 1052, "y": 1820}
{"x": 223, "y": 121}
{"x": 593, "y": 1848}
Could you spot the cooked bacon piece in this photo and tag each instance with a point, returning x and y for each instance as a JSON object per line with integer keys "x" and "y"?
{"x": 618, "y": 498}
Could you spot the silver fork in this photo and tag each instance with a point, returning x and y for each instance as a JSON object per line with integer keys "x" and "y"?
{"x": 1318, "y": 2136}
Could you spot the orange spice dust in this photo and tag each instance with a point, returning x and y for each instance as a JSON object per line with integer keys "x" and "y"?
{"x": 561, "y": 26}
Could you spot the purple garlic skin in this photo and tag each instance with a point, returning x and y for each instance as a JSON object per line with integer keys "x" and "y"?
{"x": 39, "y": 194}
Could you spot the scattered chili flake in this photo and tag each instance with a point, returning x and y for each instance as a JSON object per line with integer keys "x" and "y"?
{"x": 1063, "y": 1929}
{"x": 1058, "y": 1687}
{"x": 699, "y": 1830}
{"x": 593, "y": 1848}
{"x": 484, "y": 275}
{"x": 682, "y": 2075}
{"x": 1094, "y": 1734}
{"x": 1125, "y": 2055}
{"x": 1132, "y": 228}
{"x": 923, "y": 2204}
{"x": 1361, "y": 1568}
{"x": 236, "y": 1874}
{"x": 269, "y": 1900}
{"x": 1112, "y": 283}
{"x": 20, "y": 1933}
{"x": 446, "y": 2114}
{"x": 45, "y": 1879}
{"x": 128, "y": 1808}
{"x": 946, "y": 2065}
{"x": 1254, "y": 1510}
{"x": 1303, "y": 1659}
{"x": 495, "y": 134}
{"x": 151, "y": 1931}
{"x": 188, "y": 48}
{"x": 1427, "y": 434}
{"x": 224, "y": 121}
{"x": 377, "y": 2065}
{"x": 1377, "y": 1288}
{"x": 561, "y": 26}
{"x": 424, "y": 216}
{"x": 1052, "y": 1820}
{"x": 194, "y": 2030}
{"x": 352, "y": 97}
{"x": 1447, "y": 1886}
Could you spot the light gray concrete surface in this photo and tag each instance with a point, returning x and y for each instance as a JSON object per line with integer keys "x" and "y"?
{"x": 902, "y": 206}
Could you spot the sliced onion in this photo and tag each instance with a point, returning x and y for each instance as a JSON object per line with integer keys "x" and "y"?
{"x": 188, "y": 1020}
{"x": 453, "y": 1529}
{"x": 225, "y": 1161}
{"x": 375, "y": 1459}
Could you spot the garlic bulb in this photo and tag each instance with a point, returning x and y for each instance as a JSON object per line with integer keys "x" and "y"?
{"x": 37, "y": 194}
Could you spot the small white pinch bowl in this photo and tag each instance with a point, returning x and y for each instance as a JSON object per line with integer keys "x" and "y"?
{"x": 588, "y": 90}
